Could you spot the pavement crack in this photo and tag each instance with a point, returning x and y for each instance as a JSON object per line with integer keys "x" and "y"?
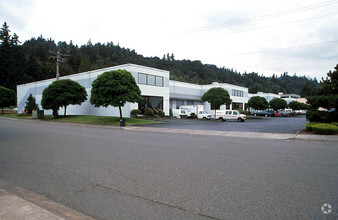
{"x": 158, "y": 202}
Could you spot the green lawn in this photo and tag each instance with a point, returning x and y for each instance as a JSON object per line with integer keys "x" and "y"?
{"x": 87, "y": 119}
{"x": 15, "y": 115}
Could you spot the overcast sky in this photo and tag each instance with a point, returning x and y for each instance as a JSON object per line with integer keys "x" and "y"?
{"x": 264, "y": 36}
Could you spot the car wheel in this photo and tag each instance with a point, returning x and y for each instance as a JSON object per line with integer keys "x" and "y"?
{"x": 255, "y": 114}
{"x": 204, "y": 118}
{"x": 221, "y": 119}
{"x": 266, "y": 115}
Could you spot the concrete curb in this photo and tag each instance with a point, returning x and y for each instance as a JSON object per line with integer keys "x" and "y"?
{"x": 271, "y": 136}
{"x": 19, "y": 203}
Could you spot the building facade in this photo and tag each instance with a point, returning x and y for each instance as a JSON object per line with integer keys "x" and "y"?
{"x": 156, "y": 89}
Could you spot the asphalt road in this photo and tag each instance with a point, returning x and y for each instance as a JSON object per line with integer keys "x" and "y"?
{"x": 117, "y": 174}
{"x": 286, "y": 125}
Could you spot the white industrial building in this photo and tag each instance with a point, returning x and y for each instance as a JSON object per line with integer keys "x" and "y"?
{"x": 156, "y": 89}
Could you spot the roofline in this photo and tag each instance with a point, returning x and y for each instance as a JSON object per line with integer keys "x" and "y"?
{"x": 94, "y": 71}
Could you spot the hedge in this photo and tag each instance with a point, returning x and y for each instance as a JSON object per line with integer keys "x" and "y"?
{"x": 135, "y": 112}
{"x": 149, "y": 112}
{"x": 322, "y": 128}
{"x": 309, "y": 125}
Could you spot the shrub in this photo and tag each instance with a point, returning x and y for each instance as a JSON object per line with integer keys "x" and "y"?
{"x": 134, "y": 113}
{"x": 309, "y": 125}
{"x": 323, "y": 128}
{"x": 321, "y": 116}
{"x": 149, "y": 112}
{"x": 335, "y": 123}
{"x": 192, "y": 115}
{"x": 160, "y": 113}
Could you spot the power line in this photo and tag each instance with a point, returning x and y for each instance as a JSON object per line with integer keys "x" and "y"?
{"x": 321, "y": 59}
{"x": 284, "y": 48}
{"x": 292, "y": 22}
{"x": 264, "y": 17}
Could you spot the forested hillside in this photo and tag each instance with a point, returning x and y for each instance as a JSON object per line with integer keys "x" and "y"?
{"x": 30, "y": 61}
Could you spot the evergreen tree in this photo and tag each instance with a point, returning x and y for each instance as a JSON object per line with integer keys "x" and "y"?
{"x": 31, "y": 104}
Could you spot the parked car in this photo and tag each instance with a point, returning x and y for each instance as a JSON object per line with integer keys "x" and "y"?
{"x": 272, "y": 113}
{"x": 261, "y": 113}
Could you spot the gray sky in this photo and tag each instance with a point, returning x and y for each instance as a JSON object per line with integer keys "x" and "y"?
{"x": 264, "y": 36}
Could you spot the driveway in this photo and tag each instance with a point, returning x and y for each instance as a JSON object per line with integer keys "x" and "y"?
{"x": 290, "y": 125}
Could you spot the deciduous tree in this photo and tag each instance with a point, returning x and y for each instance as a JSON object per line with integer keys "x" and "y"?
{"x": 278, "y": 103}
{"x": 217, "y": 96}
{"x": 258, "y": 103}
{"x": 62, "y": 93}
{"x": 115, "y": 88}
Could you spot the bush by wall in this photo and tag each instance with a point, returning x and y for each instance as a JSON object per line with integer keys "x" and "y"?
{"x": 134, "y": 113}
{"x": 160, "y": 113}
{"x": 149, "y": 112}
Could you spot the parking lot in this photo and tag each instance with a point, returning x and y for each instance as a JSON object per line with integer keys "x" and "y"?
{"x": 287, "y": 125}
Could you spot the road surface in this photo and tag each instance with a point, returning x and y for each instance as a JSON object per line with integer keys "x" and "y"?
{"x": 118, "y": 174}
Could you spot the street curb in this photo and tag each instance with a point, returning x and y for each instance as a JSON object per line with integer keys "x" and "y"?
{"x": 237, "y": 134}
{"x": 42, "y": 202}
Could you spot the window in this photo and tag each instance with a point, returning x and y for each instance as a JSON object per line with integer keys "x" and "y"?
{"x": 150, "y": 80}
{"x": 159, "y": 81}
{"x": 142, "y": 78}
{"x": 237, "y": 93}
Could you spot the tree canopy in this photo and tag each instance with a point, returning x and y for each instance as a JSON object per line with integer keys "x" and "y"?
{"x": 7, "y": 98}
{"x": 278, "y": 103}
{"x": 30, "y": 62}
{"x": 217, "y": 96}
{"x": 62, "y": 93}
{"x": 258, "y": 103}
{"x": 114, "y": 88}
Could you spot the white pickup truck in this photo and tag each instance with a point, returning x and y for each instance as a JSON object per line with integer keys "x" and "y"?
{"x": 224, "y": 115}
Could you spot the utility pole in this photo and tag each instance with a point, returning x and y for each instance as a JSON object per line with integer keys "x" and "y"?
{"x": 60, "y": 58}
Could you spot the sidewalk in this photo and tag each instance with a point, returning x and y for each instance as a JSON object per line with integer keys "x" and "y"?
{"x": 274, "y": 136}
{"x": 18, "y": 203}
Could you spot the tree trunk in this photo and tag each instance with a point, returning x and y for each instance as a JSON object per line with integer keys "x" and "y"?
{"x": 65, "y": 110}
{"x": 2, "y": 110}
{"x": 215, "y": 113}
{"x": 55, "y": 113}
{"x": 120, "y": 112}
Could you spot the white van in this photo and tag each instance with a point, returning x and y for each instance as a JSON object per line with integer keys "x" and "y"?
{"x": 224, "y": 115}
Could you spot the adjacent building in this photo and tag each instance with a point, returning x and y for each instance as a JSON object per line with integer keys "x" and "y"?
{"x": 156, "y": 89}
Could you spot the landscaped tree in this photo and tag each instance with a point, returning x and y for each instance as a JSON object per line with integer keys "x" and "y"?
{"x": 7, "y": 98}
{"x": 62, "y": 93}
{"x": 115, "y": 88}
{"x": 327, "y": 97}
{"x": 258, "y": 103}
{"x": 296, "y": 105}
{"x": 217, "y": 96}
{"x": 31, "y": 104}
{"x": 278, "y": 103}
